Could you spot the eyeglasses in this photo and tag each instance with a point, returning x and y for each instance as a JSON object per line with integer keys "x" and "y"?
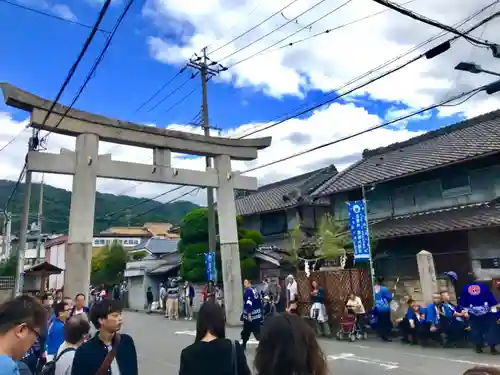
{"x": 39, "y": 337}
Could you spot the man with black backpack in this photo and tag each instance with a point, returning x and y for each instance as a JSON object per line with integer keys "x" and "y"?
{"x": 76, "y": 330}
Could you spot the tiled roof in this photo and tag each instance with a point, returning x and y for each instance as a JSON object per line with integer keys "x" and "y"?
{"x": 127, "y": 231}
{"x": 56, "y": 241}
{"x": 283, "y": 194}
{"x": 457, "y": 218}
{"x": 479, "y": 136}
{"x": 159, "y": 245}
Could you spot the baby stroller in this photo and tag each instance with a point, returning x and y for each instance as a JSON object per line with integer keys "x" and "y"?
{"x": 350, "y": 326}
{"x": 347, "y": 327}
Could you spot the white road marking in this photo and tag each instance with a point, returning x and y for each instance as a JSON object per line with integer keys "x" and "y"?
{"x": 461, "y": 361}
{"x": 369, "y": 361}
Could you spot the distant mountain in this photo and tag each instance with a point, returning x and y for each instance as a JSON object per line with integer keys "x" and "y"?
{"x": 57, "y": 203}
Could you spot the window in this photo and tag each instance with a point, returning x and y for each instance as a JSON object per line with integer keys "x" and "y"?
{"x": 403, "y": 200}
{"x": 455, "y": 185}
{"x": 273, "y": 223}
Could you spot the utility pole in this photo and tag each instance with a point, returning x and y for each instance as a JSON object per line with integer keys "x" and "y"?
{"x": 39, "y": 223}
{"x": 7, "y": 229}
{"x": 23, "y": 233}
{"x": 203, "y": 65}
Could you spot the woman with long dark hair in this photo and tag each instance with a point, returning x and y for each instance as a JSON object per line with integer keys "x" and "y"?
{"x": 211, "y": 343}
{"x": 288, "y": 346}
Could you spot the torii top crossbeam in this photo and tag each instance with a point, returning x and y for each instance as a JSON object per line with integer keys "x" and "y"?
{"x": 77, "y": 122}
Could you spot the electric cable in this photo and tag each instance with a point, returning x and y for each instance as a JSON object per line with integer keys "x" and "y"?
{"x": 12, "y": 140}
{"x": 172, "y": 92}
{"x": 33, "y": 10}
{"x": 160, "y": 89}
{"x": 73, "y": 68}
{"x": 433, "y": 52}
{"x": 253, "y": 28}
{"x": 324, "y": 32}
{"x": 181, "y": 100}
{"x": 97, "y": 62}
{"x": 309, "y": 25}
{"x": 16, "y": 187}
{"x": 405, "y": 117}
{"x": 416, "y": 16}
{"x": 272, "y": 31}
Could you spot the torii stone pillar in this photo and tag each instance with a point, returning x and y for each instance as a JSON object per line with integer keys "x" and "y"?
{"x": 85, "y": 164}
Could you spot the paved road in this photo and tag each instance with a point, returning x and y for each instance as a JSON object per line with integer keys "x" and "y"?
{"x": 159, "y": 343}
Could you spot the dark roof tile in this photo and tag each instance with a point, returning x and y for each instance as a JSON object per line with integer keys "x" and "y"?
{"x": 283, "y": 194}
{"x": 457, "y": 218}
{"x": 479, "y": 136}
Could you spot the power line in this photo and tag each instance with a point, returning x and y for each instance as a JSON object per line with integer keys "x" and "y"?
{"x": 253, "y": 28}
{"x": 78, "y": 60}
{"x": 308, "y": 26}
{"x": 273, "y": 31}
{"x": 97, "y": 62}
{"x": 12, "y": 139}
{"x": 416, "y": 16}
{"x": 34, "y": 143}
{"x": 24, "y": 7}
{"x": 160, "y": 89}
{"x": 268, "y": 50}
{"x": 181, "y": 100}
{"x": 433, "y": 52}
{"x": 172, "y": 92}
{"x": 469, "y": 94}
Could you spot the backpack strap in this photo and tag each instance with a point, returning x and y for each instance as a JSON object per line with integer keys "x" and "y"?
{"x": 64, "y": 352}
{"x": 106, "y": 364}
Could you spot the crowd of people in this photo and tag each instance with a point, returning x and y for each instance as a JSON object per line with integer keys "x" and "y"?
{"x": 475, "y": 318}
{"x": 51, "y": 335}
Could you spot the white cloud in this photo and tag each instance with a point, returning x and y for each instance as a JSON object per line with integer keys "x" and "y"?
{"x": 329, "y": 123}
{"x": 64, "y": 11}
{"x": 328, "y": 61}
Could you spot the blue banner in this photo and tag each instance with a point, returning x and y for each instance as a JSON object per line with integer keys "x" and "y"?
{"x": 210, "y": 266}
{"x": 359, "y": 229}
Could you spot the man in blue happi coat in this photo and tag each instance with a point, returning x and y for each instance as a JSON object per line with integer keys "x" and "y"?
{"x": 481, "y": 306}
{"x": 452, "y": 322}
{"x": 252, "y": 313}
{"x": 430, "y": 328}
{"x": 383, "y": 298}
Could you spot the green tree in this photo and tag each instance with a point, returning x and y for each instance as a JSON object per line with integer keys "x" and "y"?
{"x": 8, "y": 267}
{"x": 194, "y": 243}
{"x": 108, "y": 264}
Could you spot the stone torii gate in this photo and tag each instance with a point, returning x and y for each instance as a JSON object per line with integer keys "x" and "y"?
{"x": 85, "y": 164}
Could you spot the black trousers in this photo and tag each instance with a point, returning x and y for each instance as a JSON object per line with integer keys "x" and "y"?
{"x": 408, "y": 333}
{"x": 426, "y": 334}
{"x": 384, "y": 324}
{"x": 249, "y": 328}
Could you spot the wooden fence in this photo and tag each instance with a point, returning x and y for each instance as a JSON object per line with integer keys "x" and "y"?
{"x": 338, "y": 284}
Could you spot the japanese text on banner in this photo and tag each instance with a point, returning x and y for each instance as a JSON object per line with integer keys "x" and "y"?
{"x": 210, "y": 265}
{"x": 359, "y": 229}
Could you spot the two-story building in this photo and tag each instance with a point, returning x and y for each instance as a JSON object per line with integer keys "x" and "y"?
{"x": 438, "y": 192}
{"x": 275, "y": 209}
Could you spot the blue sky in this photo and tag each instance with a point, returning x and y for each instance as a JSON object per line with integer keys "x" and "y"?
{"x": 37, "y": 52}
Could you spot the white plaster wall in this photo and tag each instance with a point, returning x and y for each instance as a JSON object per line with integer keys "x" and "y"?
{"x": 57, "y": 258}
{"x": 484, "y": 243}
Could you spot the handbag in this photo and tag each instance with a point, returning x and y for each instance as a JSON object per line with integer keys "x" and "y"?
{"x": 234, "y": 358}
{"x": 105, "y": 365}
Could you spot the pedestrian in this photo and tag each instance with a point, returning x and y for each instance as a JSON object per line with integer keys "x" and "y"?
{"x": 480, "y": 303}
{"x": 163, "y": 297}
{"x": 252, "y": 313}
{"x": 108, "y": 349}
{"x": 292, "y": 295}
{"x": 172, "y": 311}
{"x": 55, "y": 336}
{"x": 76, "y": 330}
{"x": 22, "y": 321}
{"x": 275, "y": 294}
{"x": 210, "y": 343}
{"x": 189, "y": 294}
{"x": 383, "y": 298}
{"x": 149, "y": 299}
{"x": 79, "y": 306}
{"x": 288, "y": 346}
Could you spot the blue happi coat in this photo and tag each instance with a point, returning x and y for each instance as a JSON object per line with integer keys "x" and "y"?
{"x": 432, "y": 314}
{"x": 252, "y": 305}
{"x": 383, "y": 298}
{"x": 477, "y": 299}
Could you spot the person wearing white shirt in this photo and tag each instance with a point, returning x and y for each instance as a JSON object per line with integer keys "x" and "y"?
{"x": 76, "y": 331}
{"x": 355, "y": 304}
{"x": 292, "y": 295}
